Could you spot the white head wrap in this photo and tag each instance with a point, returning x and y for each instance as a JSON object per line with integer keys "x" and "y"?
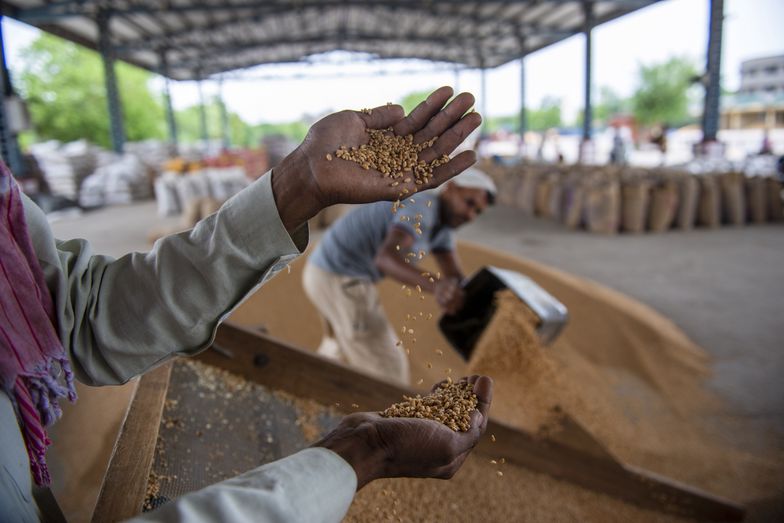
{"x": 473, "y": 178}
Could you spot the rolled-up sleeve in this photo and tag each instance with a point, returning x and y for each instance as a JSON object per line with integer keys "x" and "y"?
{"x": 121, "y": 317}
{"x": 314, "y": 485}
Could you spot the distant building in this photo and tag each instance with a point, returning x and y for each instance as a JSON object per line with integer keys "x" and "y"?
{"x": 762, "y": 76}
{"x": 759, "y": 103}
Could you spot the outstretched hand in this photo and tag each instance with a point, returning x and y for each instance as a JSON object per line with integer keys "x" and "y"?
{"x": 306, "y": 181}
{"x": 378, "y": 447}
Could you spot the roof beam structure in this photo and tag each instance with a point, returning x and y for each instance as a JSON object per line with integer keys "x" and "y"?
{"x": 208, "y": 37}
{"x": 195, "y": 34}
{"x": 55, "y": 10}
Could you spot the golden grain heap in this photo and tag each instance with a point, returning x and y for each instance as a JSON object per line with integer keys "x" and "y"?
{"x": 396, "y": 157}
{"x": 451, "y": 404}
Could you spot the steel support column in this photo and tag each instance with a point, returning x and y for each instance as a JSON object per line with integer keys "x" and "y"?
{"x": 523, "y": 113}
{"x": 9, "y": 147}
{"x": 110, "y": 78}
{"x": 588, "y": 110}
{"x": 484, "y": 95}
{"x": 167, "y": 100}
{"x": 225, "y": 131}
{"x": 202, "y": 114}
{"x": 710, "y": 113}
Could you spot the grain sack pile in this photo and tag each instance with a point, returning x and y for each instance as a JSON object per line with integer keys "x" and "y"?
{"x": 612, "y": 199}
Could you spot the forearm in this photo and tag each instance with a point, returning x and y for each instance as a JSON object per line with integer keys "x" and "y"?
{"x": 296, "y": 197}
{"x": 395, "y": 267}
{"x": 120, "y": 317}
{"x": 354, "y": 442}
{"x": 449, "y": 264}
{"x": 314, "y": 485}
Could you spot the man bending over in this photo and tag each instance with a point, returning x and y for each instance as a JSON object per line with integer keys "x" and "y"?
{"x": 372, "y": 242}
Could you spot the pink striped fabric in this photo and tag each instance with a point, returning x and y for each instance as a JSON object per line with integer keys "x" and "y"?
{"x": 31, "y": 355}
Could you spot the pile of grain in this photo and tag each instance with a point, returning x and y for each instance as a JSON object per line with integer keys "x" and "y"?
{"x": 451, "y": 403}
{"x": 648, "y": 409}
{"x": 394, "y": 156}
{"x": 476, "y": 493}
{"x": 509, "y": 350}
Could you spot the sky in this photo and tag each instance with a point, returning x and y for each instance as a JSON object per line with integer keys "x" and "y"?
{"x": 669, "y": 28}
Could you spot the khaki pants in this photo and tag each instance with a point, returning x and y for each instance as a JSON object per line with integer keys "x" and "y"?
{"x": 356, "y": 330}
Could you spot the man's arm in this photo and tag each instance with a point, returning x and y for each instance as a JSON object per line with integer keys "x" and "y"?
{"x": 449, "y": 264}
{"x": 391, "y": 260}
{"x": 118, "y": 318}
{"x": 449, "y": 294}
{"x": 314, "y": 485}
{"x": 317, "y": 485}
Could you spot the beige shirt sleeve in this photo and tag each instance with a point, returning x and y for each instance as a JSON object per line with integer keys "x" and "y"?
{"x": 120, "y": 317}
{"x": 314, "y": 485}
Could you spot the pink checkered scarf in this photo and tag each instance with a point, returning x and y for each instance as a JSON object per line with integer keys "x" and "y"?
{"x": 31, "y": 354}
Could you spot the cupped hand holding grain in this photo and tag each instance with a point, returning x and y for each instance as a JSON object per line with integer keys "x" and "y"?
{"x": 389, "y": 447}
{"x": 312, "y": 177}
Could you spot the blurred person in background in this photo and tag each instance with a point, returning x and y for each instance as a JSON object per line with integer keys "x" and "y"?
{"x": 372, "y": 242}
{"x": 618, "y": 151}
{"x": 766, "y": 147}
{"x": 660, "y": 139}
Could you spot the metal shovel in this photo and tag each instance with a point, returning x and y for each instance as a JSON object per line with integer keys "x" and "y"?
{"x": 464, "y": 328}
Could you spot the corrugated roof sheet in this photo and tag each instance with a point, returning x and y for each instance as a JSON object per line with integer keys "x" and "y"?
{"x": 201, "y": 38}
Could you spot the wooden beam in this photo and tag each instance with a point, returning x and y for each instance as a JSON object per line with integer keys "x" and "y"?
{"x": 276, "y": 365}
{"x": 125, "y": 484}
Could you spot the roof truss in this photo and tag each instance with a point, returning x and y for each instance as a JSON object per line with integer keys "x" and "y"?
{"x": 205, "y": 37}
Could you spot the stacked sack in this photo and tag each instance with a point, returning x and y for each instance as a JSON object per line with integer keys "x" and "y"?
{"x": 612, "y": 199}
{"x": 65, "y": 166}
{"x": 185, "y": 192}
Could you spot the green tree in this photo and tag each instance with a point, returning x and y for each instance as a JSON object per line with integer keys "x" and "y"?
{"x": 189, "y": 122}
{"x": 509, "y": 123}
{"x": 241, "y": 133}
{"x": 663, "y": 92}
{"x": 411, "y": 100}
{"x": 63, "y": 86}
{"x": 294, "y": 131}
{"x": 547, "y": 116}
{"x": 609, "y": 104}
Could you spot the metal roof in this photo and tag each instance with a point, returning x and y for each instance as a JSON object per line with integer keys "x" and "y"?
{"x": 200, "y": 38}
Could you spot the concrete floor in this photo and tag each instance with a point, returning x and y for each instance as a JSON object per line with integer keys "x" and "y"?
{"x": 723, "y": 287}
